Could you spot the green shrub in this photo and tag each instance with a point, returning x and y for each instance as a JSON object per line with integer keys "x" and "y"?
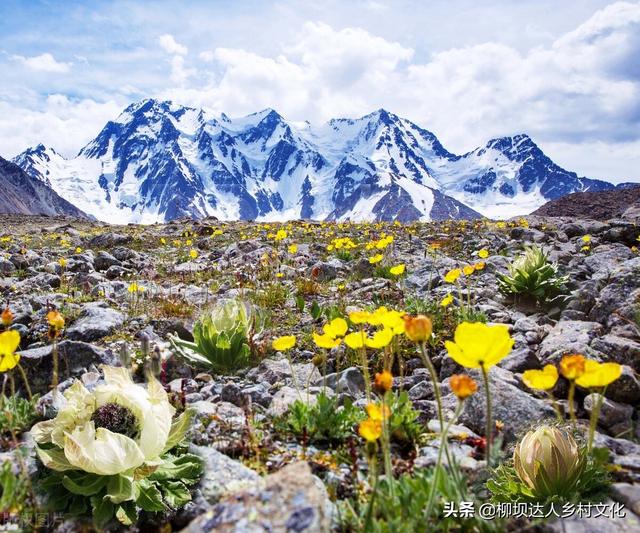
{"x": 325, "y": 421}
{"x": 16, "y": 414}
{"x": 222, "y": 337}
{"x": 532, "y": 274}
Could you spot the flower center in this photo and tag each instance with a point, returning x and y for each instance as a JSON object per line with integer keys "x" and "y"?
{"x": 116, "y": 418}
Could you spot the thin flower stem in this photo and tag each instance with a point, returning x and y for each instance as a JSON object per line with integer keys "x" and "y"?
{"x": 386, "y": 446}
{"x": 489, "y": 429}
{"x": 593, "y": 422}
{"x": 434, "y": 379}
{"x": 443, "y": 446}
{"x": 572, "y": 413}
{"x": 555, "y": 405}
{"x": 26, "y": 381}
{"x": 54, "y": 380}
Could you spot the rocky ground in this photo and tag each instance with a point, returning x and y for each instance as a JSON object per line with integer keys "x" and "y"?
{"x": 123, "y": 290}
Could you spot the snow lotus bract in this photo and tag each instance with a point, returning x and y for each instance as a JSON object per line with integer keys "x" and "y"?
{"x": 113, "y": 430}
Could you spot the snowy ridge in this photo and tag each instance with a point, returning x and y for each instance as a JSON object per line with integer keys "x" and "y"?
{"x": 160, "y": 161}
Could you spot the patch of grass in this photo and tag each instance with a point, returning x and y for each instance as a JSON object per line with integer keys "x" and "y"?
{"x": 171, "y": 307}
{"x": 16, "y": 414}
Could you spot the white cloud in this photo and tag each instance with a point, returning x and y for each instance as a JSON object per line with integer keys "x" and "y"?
{"x": 43, "y": 63}
{"x": 61, "y": 123}
{"x": 171, "y": 46}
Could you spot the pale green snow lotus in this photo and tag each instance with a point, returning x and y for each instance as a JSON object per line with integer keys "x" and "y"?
{"x": 118, "y": 427}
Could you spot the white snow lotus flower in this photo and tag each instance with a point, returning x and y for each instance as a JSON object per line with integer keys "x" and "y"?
{"x": 115, "y": 429}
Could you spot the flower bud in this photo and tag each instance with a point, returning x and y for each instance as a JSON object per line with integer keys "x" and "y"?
{"x": 418, "y": 328}
{"x": 548, "y": 461}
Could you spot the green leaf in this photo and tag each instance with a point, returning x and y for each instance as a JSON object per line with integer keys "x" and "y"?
{"x": 315, "y": 310}
{"x": 103, "y": 511}
{"x": 126, "y": 513}
{"x": 84, "y": 484}
{"x": 187, "y": 467}
{"x": 149, "y": 497}
{"x": 119, "y": 489}
{"x": 178, "y": 429}
{"x": 176, "y": 493}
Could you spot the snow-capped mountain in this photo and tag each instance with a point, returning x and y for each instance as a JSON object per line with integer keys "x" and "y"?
{"x": 159, "y": 161}
{"x": 23, "y": 194}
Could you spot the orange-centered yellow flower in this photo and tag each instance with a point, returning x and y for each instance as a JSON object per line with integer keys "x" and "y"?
{"x": 418, "y": 328}
{"x": 9, "y": 341}
{"x": 477, "y": 345}
{"x": 462, "y": 386}
{"x": 572, "y": 366}
{"x": 383, "y": 380}
{"x": 468, "y": 270}
{"x": 597, "y": 375}
{"x": 544, "y": 379}
{"x": 284, "y": 343}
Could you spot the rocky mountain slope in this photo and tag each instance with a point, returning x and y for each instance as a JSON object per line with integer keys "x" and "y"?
{"x": 160, "y": 161}
{"x": 21, "y": 193}
{"x": 602, "y": 205}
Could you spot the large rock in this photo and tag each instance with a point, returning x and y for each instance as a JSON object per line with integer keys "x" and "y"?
{"x": 568, "y": 336}
{"x": 281, "y": 370}
{"x": 74, "y": 359}
{"x": 108, "y": 240}
{"x": 96, "y": 320}
{"x": 222, "y": 475}
{"x": 514, "y": 407}
{"x": 291, "y": 500}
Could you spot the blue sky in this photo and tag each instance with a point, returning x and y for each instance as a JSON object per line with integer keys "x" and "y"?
{"x": 565, "y": 72}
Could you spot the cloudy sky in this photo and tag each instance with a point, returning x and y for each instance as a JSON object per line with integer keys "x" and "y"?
{"x": 567, "y": 73}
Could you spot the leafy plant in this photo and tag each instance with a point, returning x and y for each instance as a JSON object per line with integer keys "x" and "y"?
{"x": 16, "y": 414}
{"x": 403, "y": 505}
{"x": 222, "y": 337}
{"x": 153, "y": 489}
{"x": 532, "y": 274}
{"x": 14, "y": 489}
{"x": 402, "y": 424}
{"x": 325, "y": 421}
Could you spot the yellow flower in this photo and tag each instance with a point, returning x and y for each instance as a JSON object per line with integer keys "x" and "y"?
{"x": 468, "y": 270}
{"x": 355, "y": 340}
{"x": 418, "y": 328}
{"x": 379, "y": 339}
{"x": 293, "y": 248}
{"x": 163, "y": 240}
{"x": 193, "y": 253}
{"x": 279, "y": 275}
{"x": 134, "y": 287}
{"x": 284, "y": 343}
{"x": 375, "y": 259}
{"x": 477, "y": 345}
{"x": 336, "y": 328}
{"x": 397, "y": 270}
{"x": 280, "y": 235}
{"x": 55, "y": 320}
{"x": 325, "y": 341}
{"x": 479, "y": 265}
{"x": 377, "y": 412}
{"x": 447, "y": 300}
{"x": 189, "y": 242}
{"x": 383, "y": 380}
{"x": 453, "y": 275}
{"x": 572, "y": 366}
{"x": 78, "y": 249}
{"x": 370, "y": 430}
{"x": 462, "y": 386}
{"x": 544, "y": 379}
{"x": 9, "y": 341}
{"x": 62, "y": 262}
{"x": 483, "y": 254}
{"x": 586, "y": 238}
{"x": 598, "y": 375}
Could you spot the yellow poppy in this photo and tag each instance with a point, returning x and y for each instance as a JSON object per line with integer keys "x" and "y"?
{"x": 397, "y": 270}
{"x": 477, "y": 345}
{"x": 418, "y": 328}
{"x": 544, "y": 379}
{"x": 376, "y": 259}
{"x": 355, "y": 340}
{"x": 325, "y": 341}
{"x": 446, "y": 301}
{"x": 468, "y": 270}
{"x": 9, "y": 341}
{"x": 377, "y": 412}
{"x": 379, "y": 339}
{"x": 453, "y": 275}
{"x": 598, "y": 375}
{"x": 371, "y": 430}
{"x": 572, "y": 366}
{"x": 483, "y": 254}
{"x": 284, "y": 343}
{"x": 336, "y": 328}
